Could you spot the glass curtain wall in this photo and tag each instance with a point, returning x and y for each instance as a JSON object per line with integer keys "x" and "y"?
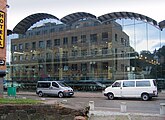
{"x": 88, "y": 50}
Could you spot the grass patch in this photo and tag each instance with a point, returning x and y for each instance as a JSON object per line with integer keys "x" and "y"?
{"x": 18, "y": 101}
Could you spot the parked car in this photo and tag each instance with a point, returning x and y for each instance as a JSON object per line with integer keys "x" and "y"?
{"x": 57, "y": 88}
{"x": 138, "y": 88}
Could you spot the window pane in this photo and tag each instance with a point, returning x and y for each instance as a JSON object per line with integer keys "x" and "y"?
{"x": 142, "y": 83}
{"x": 129, "y": 84}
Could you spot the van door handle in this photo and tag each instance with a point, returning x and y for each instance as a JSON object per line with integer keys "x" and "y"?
{"x": 120, "y": 87}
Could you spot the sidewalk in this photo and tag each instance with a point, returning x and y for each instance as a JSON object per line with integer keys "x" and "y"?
{"x": 110, "y": 115}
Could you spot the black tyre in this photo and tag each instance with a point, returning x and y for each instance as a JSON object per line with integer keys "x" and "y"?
{"x": 40, "y": 94}
{"x": 60, "y": 95}
{"x": 145, "y": 97}
{"x": 110, "y": 96}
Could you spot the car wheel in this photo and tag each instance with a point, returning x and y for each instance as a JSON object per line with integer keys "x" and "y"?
{"x": 40, "y": 94}
{"x": 145, "y": 97}
{"x": 110, "y": 96}
{"x": 60, "y": 95}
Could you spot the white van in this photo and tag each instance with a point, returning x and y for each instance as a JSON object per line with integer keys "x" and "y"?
{"x": 57, "y": 88}
{"x": 138, "y": 88}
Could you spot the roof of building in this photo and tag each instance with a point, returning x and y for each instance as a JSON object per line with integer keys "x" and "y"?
{"x": 71, "y": 18}
{"x": 126, "y": 15}
{"x": 162, "y": 24}
{"x": 27, "y": 22}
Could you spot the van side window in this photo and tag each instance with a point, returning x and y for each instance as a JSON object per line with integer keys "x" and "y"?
{"x": 116, "y": 84}
{"x": 54, "y": 84}
{"x": 142, "y": 83}
{"x": 43, "y": 85}
{"x": 129, "y": 84}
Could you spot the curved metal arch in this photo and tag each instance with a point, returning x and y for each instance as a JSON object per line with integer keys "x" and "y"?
{"x": 71, "y": 18}
{"x": 9, "y": 32}
{"x": 127, "y": 15}
{"x": 27, "y": 22}
{"x": 162, "y": 24}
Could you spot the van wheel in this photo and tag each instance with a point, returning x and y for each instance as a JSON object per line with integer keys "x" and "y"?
{"x": 110, "y": 96}
{"x": 145, "y": 97}
{"x": 40, "y": 94}
{"x": 60, "y": 95}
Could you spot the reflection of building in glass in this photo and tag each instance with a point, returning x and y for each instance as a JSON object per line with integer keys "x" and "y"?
{"x": 84, "y": 49}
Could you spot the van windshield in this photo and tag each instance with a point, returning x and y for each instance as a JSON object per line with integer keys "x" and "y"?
{"x": 62, "y": 84}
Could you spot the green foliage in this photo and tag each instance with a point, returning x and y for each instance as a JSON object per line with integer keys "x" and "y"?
{"x": 18, "y": 101}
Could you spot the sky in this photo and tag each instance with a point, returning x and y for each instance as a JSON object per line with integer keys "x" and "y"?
{"x": 20, "y": 9}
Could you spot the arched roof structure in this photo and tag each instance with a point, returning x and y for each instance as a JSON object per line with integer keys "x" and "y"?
{"x": 71, "y": 18}
{"x": 162, "y": 24}
{"x": 127, "y": 15}
{"x": 27, "y": 22}
{"x": 9, "y": 32}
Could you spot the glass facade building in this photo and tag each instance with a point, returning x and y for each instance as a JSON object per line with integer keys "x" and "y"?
{"x": 86, "y": 49}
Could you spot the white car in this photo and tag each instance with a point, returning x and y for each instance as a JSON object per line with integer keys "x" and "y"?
{"x": 56, "y": 88}
{"x": 137, "y": 88}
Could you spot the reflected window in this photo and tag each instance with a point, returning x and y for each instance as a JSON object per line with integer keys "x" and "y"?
{"x": 74, "y": 40}
{"x": 57, "y": 42}
{"x": 74, "y": 52}
{"x": 83, "y": 66}
{"x": 105, "y": 50}
{"x": 14, "y": 47}
{"x": 93, "y": 37}
{"x": 84, "y": 53}
{"x": 27, "y": 46}
{"x": 20, "y": 47}
{"x": 104, "y": 35}
{"x": 83, "y": 39}
{"x": 49, "y": 43}
{"x": 94, "y": 51}
{"x": 33, "y": 45}
{"x": 15, "y": 58}
{"x": 65, "y": 41}
{"x": 115, "y": 37}
{"x": 41, "y": 44}
{"x": 74, "y": 66}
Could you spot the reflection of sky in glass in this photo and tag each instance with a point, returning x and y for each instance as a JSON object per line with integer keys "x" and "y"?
{"x": 142, "y": 35}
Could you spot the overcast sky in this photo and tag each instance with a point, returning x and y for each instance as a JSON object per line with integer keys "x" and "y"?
{"x": 19, "y": 9}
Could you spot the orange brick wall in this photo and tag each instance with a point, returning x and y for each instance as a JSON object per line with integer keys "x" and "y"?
{"x": 3, "y": 50}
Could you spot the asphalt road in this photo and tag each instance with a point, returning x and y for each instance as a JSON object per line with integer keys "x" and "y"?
{"x": 81, "y": 99}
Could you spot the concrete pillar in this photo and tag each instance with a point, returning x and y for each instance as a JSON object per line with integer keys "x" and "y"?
{"x": 91, "y": 105}
{"x": 162, "y": 108}
{"x": 123, "y": 107}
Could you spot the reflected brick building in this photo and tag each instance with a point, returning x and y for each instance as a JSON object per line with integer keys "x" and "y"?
{"x": 85, "y": 48}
